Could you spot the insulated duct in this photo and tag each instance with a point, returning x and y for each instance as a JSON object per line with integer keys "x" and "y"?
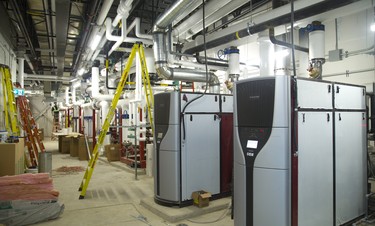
{"x": 160, "y": 51}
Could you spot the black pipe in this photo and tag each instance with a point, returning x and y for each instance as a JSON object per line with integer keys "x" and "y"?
{"x": 309, "y": 11}
{"x": 255, "y": 6}
{"x": 106, "y": 74}
{"x": 199, "y": 60}
{"x": 106, "y": 77}
{"x": 285, "y": 44}
{"x": 85, "y": 32}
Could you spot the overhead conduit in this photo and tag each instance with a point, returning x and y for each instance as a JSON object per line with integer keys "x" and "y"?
{"x": 161, "y": 54}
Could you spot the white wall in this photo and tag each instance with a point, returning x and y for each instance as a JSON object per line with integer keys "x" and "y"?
{"x": 353, "y": 34}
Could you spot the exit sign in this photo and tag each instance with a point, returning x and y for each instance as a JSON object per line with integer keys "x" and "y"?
{"x": 19, "y": 92}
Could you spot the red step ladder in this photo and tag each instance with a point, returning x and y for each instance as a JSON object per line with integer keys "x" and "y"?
{"x": 33, "y": 142}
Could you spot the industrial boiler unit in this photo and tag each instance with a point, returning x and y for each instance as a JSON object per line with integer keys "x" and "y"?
{"x": 193, "y": 146}
{"x": 299, "y": 152}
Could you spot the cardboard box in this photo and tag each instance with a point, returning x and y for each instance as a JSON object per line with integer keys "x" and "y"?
{"x": 112, "y": 151}
{"x": 65, "y": 144}
{"x": 75, "y": 144}
{"x": 12, "y": 161}
{"x": 201, "y": 198}
{"x": 82, "y": 150}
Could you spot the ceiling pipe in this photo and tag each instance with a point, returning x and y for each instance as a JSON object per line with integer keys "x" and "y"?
{"x": 214, "y": 11}
{"x": 137, "y": 22}
{"x": 85, "y": 32}
{"x": 124, "y": 32}
{"x": 49, "y": 78}
{"x": 48, "y": 20}
{"x": 62, "y": 22}
{"x": 285, "y": 44}
{"x": 280, "y": 16}
{"x": 161, "y": 53}
{"x": 31, "y": 66}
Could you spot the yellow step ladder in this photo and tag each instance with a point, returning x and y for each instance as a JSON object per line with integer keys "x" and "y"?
{"x": 147, "y": 86}
{"x": 11, "y": 121}
{"x": 95, "y": 154}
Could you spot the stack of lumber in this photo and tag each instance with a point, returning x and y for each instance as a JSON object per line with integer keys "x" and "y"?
{"x": 27, "y": 187}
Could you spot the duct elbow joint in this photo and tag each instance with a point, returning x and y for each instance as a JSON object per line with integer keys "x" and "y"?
{"x": 164, "y": 71}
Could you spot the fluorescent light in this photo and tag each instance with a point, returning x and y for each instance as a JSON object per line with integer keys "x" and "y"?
{"x": 282, "y": 53}
{"x": 95, "y": 42}
{"x": 372, "y": 27}
{"x": 81, "y": 71}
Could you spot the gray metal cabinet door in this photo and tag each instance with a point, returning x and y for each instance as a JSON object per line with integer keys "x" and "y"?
{"x": 350, "y": 129}
{"x": 315, "y": 168}
{"x": 349, "y": 97}
{"x": 200, "y": 154}
{"x": 206, "y": 103}
{"x": 226, "y": 104}
{"x": 314, "y": 95}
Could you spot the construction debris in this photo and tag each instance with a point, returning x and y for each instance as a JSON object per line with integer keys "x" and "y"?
{"x": 70, "y": 169}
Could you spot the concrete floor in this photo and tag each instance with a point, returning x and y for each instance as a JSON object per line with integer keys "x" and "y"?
{"x": 113, "y": 197}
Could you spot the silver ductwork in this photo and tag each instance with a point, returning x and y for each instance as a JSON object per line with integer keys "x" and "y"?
{"x": 161, "y": 54}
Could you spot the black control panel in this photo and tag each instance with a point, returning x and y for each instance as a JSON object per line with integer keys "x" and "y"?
{"x": 252, "y": 141}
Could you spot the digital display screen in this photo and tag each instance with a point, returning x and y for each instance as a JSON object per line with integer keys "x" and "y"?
{"x": 252, "y": 144}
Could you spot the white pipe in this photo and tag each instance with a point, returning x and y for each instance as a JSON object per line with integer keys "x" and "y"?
{"x": 138, "y": 33}
{"x": 104, "y": 111}
{"x": 267, "y": 56}
{"x": 85, "y": 105}
{"x": 62, "y": 107}
{"x": 67, "y": 96}
{"x": 95, "y": 86}
{"x": 104, "y": 12}
{"x": 99, "y": 48}
{"x": 123, "y": 37}
{"x": 29, "y": 77}
{"x": 187, "y": 11}
{"x": 95, "y": 81}
{"x": 21, "y": 68}
{"x": 211, "y": 8}
{"x": 29, "y": 63}
{"x": 116, "y": 20}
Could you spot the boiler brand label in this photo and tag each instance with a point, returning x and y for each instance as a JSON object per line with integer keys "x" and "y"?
{"x": 253, "y": 144}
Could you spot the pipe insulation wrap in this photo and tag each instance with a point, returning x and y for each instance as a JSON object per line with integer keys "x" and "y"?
{"x": 21, "y": 69}
{"x": 316, "y": 44}
{"x": 95, "y": 81}
{"x": 267, "y": 56}
{"x": 234, "y": 63}
{"x": 172, "y": 12}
